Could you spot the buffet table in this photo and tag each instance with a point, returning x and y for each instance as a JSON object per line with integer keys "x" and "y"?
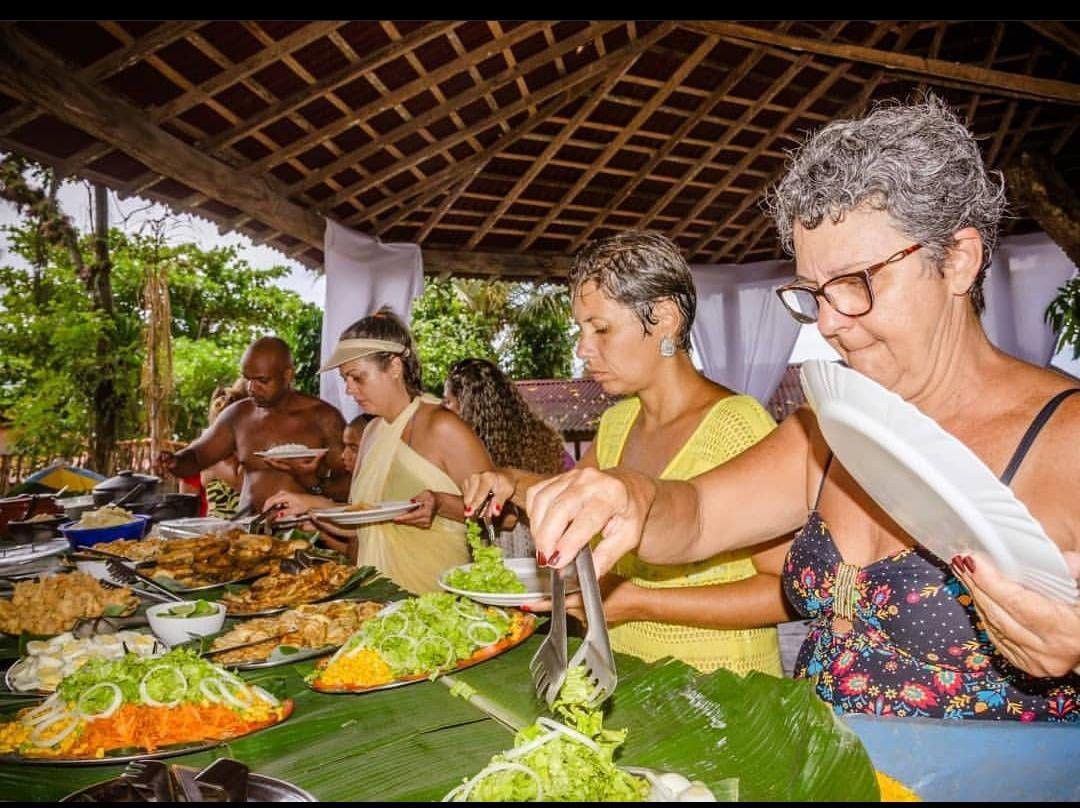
{"x": 417, "y": 742}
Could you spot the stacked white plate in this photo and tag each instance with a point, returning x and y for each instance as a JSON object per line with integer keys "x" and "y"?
{"x": 929, "y": 482}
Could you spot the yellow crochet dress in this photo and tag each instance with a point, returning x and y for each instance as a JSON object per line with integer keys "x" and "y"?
{"x": 732, "y": 425}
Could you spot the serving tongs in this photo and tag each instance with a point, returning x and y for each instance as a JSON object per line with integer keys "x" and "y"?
{"x": 549, "y": 665}
{"x": 124, "y": 571}
{"x": 485, "y": 522}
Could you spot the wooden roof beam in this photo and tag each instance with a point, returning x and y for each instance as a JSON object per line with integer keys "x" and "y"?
{"x": 348, "y": 73}
{"x": 353, "y": 159}
{"x": 936, "y": 70}
{"x": 1059, "y": 32}
{"x": 113, "y": 63}
{"x": 586, "y": 109}
{"x": 514, "y": 265}
{"x": 399, "y": 95}
{"x": 30, "y": 71}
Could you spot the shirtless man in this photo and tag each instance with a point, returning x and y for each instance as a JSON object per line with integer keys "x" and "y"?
{"x": 273, "y": 414}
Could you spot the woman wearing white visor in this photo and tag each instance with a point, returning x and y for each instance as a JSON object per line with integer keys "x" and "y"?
{"x": 414, "y": 449}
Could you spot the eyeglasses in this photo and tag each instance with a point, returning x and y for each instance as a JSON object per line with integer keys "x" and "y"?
{"x": 850, "y": 294}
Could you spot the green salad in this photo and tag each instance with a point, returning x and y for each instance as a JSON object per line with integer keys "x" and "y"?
{"x": 554, "y": 761}
{"x": 429, "y": 634}
{"x": 487, "y": 573}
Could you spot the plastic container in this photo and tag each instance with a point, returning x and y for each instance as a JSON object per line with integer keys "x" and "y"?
{"x": 87, "y": 536}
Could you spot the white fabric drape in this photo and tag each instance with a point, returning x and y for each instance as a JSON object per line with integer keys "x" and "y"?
{"x": 742, "y": 334}
{"x": 362, "y": 274}
{"x": 1023, "y": 278}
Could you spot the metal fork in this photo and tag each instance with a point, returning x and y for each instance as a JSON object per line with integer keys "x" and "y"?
{"x": 595, "y": 650}
{"x": 548, "y": 665}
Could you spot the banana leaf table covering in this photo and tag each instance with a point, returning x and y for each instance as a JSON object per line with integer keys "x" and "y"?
{"x": 415, "y": 743}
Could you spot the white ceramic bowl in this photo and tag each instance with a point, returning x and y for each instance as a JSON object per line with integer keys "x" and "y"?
{"x": 175, "y": 630}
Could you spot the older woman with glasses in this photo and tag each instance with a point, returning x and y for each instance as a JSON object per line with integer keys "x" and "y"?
{"x": 891, "y": 219}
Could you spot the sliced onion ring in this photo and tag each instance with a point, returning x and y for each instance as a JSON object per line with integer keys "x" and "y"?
{"x": 501, "y": 767}
{"x": 572, "y": 734}
{"x": 114, "y": 705}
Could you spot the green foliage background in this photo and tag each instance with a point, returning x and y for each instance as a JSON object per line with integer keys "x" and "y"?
{"x": 47, "y": 332}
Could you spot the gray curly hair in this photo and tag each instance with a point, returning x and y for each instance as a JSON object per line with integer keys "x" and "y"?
{"x": 916, "y": 161}
{"x": 638, "y": 269}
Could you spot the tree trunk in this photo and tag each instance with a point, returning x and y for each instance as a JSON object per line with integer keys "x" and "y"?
{"x": 99, "y": 283}
{"x": 1036, "y": 185}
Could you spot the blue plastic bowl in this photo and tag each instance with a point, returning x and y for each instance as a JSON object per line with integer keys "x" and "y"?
{"x": 86, "y": 536}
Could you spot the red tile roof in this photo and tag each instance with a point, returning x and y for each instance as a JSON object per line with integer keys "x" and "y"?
{"x": 788, "y": 396}
{"x": 572, "y": 406}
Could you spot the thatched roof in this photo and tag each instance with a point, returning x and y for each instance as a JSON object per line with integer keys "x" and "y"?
{"x": 500, "y": 147}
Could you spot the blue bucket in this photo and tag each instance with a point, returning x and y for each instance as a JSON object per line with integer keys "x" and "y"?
{"x": 87, "y": 536}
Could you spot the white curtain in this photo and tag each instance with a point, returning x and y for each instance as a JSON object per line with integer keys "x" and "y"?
{"x": 742, "y": 334}
{"x": 1023, "y": 278}
{"x": 363, "y": 274}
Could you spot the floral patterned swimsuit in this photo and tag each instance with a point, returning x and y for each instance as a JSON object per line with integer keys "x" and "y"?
{"x": 916, "y": 646}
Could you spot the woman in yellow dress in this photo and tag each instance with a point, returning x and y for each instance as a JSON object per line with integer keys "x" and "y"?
{"x": 634, "y": 301}
{"x": 413, "y": 449}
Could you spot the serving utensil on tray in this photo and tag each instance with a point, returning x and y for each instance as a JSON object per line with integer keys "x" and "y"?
{"x": 121, "y": 571}
{"x": 251, "y": 644}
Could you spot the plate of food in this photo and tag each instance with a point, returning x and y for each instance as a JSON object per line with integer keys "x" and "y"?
{"x": 53, "y": 604}
{"x": 290, "y": 451}
{"x": 205, "y": 562}
{"x": 47, "y": 662}
{"x": 169, "y": 705}
{"x": 310, "y": 630}
{"x": 571, "y": 760}
{"x": 419, "y": 638}
{"x": 363, "y": 513}
{"x": 273, "y": 594}
{"x": 522, "y": 582}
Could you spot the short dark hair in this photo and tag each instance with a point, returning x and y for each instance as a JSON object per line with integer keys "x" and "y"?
{"x": 638, "y": 269}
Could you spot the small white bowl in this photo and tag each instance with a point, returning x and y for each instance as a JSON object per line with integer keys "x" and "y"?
{"x": 175, "y": 630}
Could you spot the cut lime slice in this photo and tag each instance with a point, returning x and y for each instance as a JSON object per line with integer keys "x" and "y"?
{"x": 183, "y": 609}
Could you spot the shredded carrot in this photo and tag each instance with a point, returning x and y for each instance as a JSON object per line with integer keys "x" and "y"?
{"x": 151, "y": 727}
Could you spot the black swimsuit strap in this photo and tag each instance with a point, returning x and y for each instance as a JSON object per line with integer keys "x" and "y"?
{"x": 1033, "y": 432}
{"x": 821, "y": 485}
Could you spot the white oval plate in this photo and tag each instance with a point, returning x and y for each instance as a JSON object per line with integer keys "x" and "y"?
{"x": 290, "y": 454}
{"x": 536, "y": 580}
{"x": 382, "y": 512}
{"x": 929, "y": 482}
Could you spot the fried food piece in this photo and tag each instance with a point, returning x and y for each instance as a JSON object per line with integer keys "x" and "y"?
{"x": 312, "y": 625}
{"x": 54, "y": 603}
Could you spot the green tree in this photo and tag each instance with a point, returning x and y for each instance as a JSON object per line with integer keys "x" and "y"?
{"x": 526, "y": 328}
{"x": 49, "y": 330}
{"x": 1063, "y": 316}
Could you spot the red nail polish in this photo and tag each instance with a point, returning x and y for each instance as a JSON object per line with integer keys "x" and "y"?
{"x": 954, "y": 562}
{"x": 525, "y": 608}
{"x": 541, "y": 559}
{"x": 497, "y": 509}
{"x": 554, "y": 559}
{"x": 969, "y": 563}
{"x": 468, "y": 511}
